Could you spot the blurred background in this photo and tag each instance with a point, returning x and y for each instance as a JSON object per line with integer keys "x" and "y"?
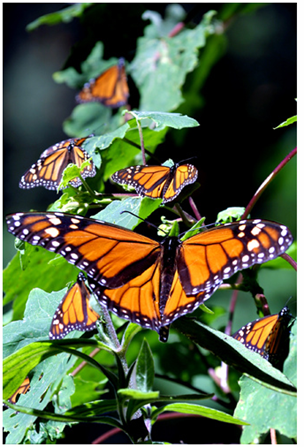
{"x": 249, "y": 91}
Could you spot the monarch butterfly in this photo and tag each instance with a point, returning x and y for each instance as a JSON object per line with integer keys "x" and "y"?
{"x": 23, "y": 389}
{"x": 74, "y": 312}
{"x": 157, "y": 181}
{"x": 48, "y": 170}
{"x": 268, "y": 336}
{"x": 110, "y": 88}
{"x": 142, "y": 280}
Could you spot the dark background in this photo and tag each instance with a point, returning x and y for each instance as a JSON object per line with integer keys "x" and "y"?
{"x": 248, "y": 92}
{"x": 251, "y": 90}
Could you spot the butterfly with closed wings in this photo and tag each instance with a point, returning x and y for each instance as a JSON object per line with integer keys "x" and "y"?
{"x": 148, "y": 282}
{"x": 268, "y": 336}
{"x": 74, "y": 312}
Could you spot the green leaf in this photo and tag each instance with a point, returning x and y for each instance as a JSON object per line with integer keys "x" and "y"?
{"x": 38, "y": 315}
{"x": 123, "y": 153}
{"x": 162, "y": 119}
{"x": 65, "y": 418}
{"x": 264, "y": 408}
{"x": 200, "y": 411}
{"x": 18, "y": 365}
{"x": 70, "y": 173}
{"x": 145, "y": 368}
{"x": 289, "y": 121}
{"x": 131, "y": 330}
{"x": 39, "y": 395}
{"x": 86, "y": 390}
{"x": 130, "y": 393}
{"x": 65, "y": 15}
{"x": 162, "y": 63}
{"x": 38, "y": 273}
{"x": 138, "y": 206}
{"x": 235, "y": 354}
{"x": 92, "y": 67}
{"x": 92, "y": 409}
{"x": 229, "y": 214}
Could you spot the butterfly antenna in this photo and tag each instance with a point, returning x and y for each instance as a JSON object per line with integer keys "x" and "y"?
{"x": 187, "y": 159}
{"x": 144, "y": 220}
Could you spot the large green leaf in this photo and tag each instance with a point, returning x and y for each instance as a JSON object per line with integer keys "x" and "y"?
{"x": 264, "y": 408}
{"x": 162, "y": 63}
{"x": 164, "y": 119}
{"x": 34, "y": 271}
{"x": 145, "y": 368}
{"x": 235, "y": 354}
{"x": 199, "y": 410}
{"x": 142, "y": 208}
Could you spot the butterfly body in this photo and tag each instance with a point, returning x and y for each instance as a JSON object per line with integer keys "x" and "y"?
{"x": 48, "y": 170}
{"x": 142, "y": 280}
{"x": 268, "y": 336}
{"x": 110, "y": 88}
{"x": 157, "y": 181}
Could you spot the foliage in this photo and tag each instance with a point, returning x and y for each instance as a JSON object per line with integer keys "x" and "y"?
{"x": 117, "y": 387}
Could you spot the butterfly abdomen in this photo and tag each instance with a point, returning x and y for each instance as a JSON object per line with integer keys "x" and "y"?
{"x": 170, "y": 247}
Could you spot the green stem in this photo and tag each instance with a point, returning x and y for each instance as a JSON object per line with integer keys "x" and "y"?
{"x": 141, "y": 137}
{"x": 90, "y": 191}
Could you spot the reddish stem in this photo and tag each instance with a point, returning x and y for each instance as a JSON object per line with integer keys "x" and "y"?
{"x": 266, "y": 182}
{"x": 178, "y": 27}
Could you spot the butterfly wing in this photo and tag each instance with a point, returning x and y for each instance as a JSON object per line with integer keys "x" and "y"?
{"x": 157, "y": 181}
{"x": 256, "y": 333}
{"x": 183, "y": 175}
{"x": 137, "y": 300}
{"x": 111, "y": 255}
{"x": 74, "y": 313}
{"x": 206, "y": 259}
{"x": 268, "y": 336}
{"x": 110, "y": 88}
{"x": 48, "y": 170}
{"x": 179, "y": 304}
{"x": 23, "y": 389}
{"x": 148, "y": 181}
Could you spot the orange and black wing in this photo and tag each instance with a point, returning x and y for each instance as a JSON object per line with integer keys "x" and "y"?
{"x": 74, "y": 313}
{"x": 23, "y": 389}
{"x": 207, "y": 259}
{"x": 268, "y": 336}
{"x": 47, "y": 171}
{"x": 157, "y": 181}
{"x": 182, "y": 175}
{"x": 109, "y": 254}
{"x": 137, "y": 300}
{"x": 110, "y": 88}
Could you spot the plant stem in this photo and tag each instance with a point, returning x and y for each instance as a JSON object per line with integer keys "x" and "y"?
{"x": 90, "y": 191}
{"x": 266, "y": 182}
{"x": 194, "y": 208}
{"x": 289, "y": 259}
{"x": 138, "y": 147}
{"x": 141, "y": 141}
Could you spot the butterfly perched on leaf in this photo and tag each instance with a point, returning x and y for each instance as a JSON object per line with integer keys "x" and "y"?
{"x": 148, "y": 282}
{"x": 110, "y": 88}
{"x": 157, "y": 181}
{"x": 74, "y": 312}
{"x": 47, "y": 171}
{"x": 268, "y": 336}
{"x": 22, "y": 389}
